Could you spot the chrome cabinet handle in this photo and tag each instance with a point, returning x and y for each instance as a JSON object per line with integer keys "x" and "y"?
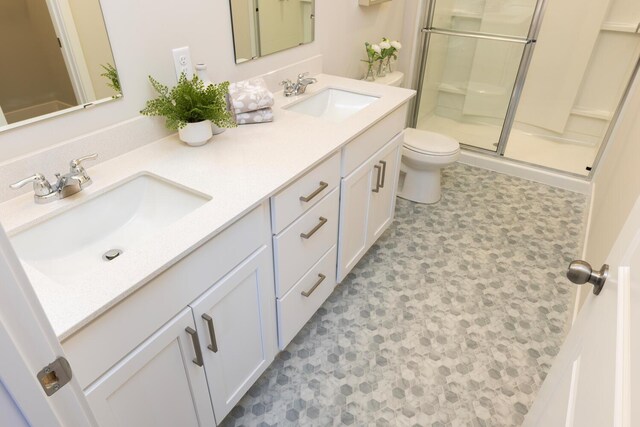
{"x": 315, "y": 285}
{"x": 196, "y": 345}
{"x": 322, "y": 222}
{"x": 308, "y": 198}
{"x": 379, "y": 169}
{"x": 212, "y": 333}
{"x": 384, "y": 173}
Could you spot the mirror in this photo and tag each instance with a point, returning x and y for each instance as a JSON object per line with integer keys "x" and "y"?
{"x": 262, "y": 27}
{"x": 61, "y": 59}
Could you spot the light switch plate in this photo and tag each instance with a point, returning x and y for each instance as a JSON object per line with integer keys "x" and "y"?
{"x": 182, "y": 62}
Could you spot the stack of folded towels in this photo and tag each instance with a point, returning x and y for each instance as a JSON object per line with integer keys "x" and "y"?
{"x": 251, "y": 101}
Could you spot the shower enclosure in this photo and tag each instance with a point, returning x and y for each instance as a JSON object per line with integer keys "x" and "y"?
{"x": 537, "y": 81}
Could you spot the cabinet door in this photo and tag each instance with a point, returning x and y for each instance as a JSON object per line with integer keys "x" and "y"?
{"x": 355, "y": 193}
{"x": 157, "y": 384}
{"x": 236, "y": 322}
{"x": 383, "y": 202}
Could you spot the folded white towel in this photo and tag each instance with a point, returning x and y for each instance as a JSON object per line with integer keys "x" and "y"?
{"x": 250, "y": 95}
{"x": 258, "y": 116}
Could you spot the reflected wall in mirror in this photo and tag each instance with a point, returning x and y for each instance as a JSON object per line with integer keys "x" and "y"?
{"x": 262, "y": 27}
{"x": 61, "y": 59}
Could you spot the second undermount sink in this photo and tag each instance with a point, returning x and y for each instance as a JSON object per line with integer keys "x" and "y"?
{"x": 333, "y": 104}
{"x": 105, "y": 227}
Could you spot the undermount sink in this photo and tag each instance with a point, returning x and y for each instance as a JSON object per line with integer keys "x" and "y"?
{"x": 101, "y": 229}
{"x": 333, "y": 104}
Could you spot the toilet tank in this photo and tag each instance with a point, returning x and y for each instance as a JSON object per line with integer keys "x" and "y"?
{"x": 395, "y": 78}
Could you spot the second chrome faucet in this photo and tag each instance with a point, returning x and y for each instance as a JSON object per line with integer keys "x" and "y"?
{"x": 299, "y": 87}
{"x": 66, "y": 185}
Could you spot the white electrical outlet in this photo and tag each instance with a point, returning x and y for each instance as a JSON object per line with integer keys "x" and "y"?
{"x": 182, "y": 62}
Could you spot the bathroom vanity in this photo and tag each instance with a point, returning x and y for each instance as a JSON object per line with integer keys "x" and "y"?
{"x": 177, "y": 328}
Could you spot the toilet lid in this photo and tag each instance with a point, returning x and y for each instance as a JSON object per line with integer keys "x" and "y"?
{"x": 431, "y": 143}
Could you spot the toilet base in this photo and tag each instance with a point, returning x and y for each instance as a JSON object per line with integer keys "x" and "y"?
{"x": 421, "y": 186}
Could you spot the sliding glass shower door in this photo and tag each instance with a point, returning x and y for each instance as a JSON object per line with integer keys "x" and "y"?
{"x": 478, "y": 52}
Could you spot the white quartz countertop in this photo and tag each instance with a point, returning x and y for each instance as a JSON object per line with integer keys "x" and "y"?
{"x": 238, "y": 169}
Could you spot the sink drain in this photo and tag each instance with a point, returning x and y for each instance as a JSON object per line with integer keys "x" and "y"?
{"x": 111, "y": 254}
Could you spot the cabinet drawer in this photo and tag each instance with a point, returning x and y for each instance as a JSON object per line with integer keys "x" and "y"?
{"x": 295, "y": 254}
{"x": 295, "y": 309}
{"x": 303, "y": 194}
{"x": 366, "y": 144}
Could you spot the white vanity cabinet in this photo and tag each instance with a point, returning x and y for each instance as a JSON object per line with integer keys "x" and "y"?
{"x": 305, "y": 232}
{"x": 233, "y": 319}
{"x": 188, "y": 344}
{"x": 368, "y": 189}
{"x": 368, "y": 203}
{"x": 202, "y": 362}
{"x": 158, "y": 384}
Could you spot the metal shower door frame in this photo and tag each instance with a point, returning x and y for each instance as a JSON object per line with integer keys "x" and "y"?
{"x": 529, "y": 43}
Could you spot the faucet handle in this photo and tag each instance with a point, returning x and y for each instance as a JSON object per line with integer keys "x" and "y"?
{"x": 286, "y": 83}
{"x": 302, "y": 75}
{"x": 36, "y": 178}
{"x": 41, "y": 186}
{"x": 76, "y": 164}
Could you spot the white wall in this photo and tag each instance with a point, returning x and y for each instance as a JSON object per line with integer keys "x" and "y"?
{"x": 616, "y": 186}
{"x": 616, "y": 182}
{"x": 143, "y": 32}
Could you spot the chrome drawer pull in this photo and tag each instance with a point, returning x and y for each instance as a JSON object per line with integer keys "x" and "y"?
{"x": 212, "y": 333}
{"x": 313, "y": 288}
{"x": 379, "y": 169}
{"x": 308, "y": 198}
{"x": 196, "y": 345}
{"x": 322, "y": 222}
{"x": 384, "y": 172}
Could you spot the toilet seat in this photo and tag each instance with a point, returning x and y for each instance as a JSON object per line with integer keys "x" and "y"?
{"x": 430, "y": 143}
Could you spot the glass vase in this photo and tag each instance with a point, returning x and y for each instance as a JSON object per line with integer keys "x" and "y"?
{"x": 370, "y": 76}
{"x": 381, "y": 68}
{"x": 387, "y": 66}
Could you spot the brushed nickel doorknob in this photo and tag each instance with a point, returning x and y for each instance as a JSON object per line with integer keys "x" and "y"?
{"x": 580, "y": 272}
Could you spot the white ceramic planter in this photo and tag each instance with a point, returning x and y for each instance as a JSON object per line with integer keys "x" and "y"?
{"x": 217, "y": 130}
{"x": 196, "y": 134}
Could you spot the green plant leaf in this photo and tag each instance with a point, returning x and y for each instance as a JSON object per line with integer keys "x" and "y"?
{"x": 190, "y": 101}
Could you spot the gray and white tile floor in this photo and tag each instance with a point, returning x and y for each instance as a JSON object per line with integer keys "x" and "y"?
{"x": 451, "y": 319}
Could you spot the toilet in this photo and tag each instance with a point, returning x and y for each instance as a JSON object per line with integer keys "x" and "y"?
{"x": 424, "y": 154}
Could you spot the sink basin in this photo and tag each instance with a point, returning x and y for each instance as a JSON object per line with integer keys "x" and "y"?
{"x": 333, "y": 104}
{"x": 86, "y": 236}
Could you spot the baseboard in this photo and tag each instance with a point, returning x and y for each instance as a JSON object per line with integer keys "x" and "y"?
{"x": 531, "y": 173}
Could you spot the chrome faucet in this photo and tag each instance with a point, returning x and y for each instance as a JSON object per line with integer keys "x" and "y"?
{"x": 65, "y": 185}
{"x": 298, "y": 88}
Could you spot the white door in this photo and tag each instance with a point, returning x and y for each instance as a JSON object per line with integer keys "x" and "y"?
{"x": 236, "y": 323}
{"x": 29, "y": 344}
{"x": 160, "y": 383}
{"x": 71, "y": 49}
{"x": 591, "y": 380}
{"x": 355, "y": 195}
{"x": 383, "y": 201}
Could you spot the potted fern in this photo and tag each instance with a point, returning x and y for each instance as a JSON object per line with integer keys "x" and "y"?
{"x": 191, "y": 107}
